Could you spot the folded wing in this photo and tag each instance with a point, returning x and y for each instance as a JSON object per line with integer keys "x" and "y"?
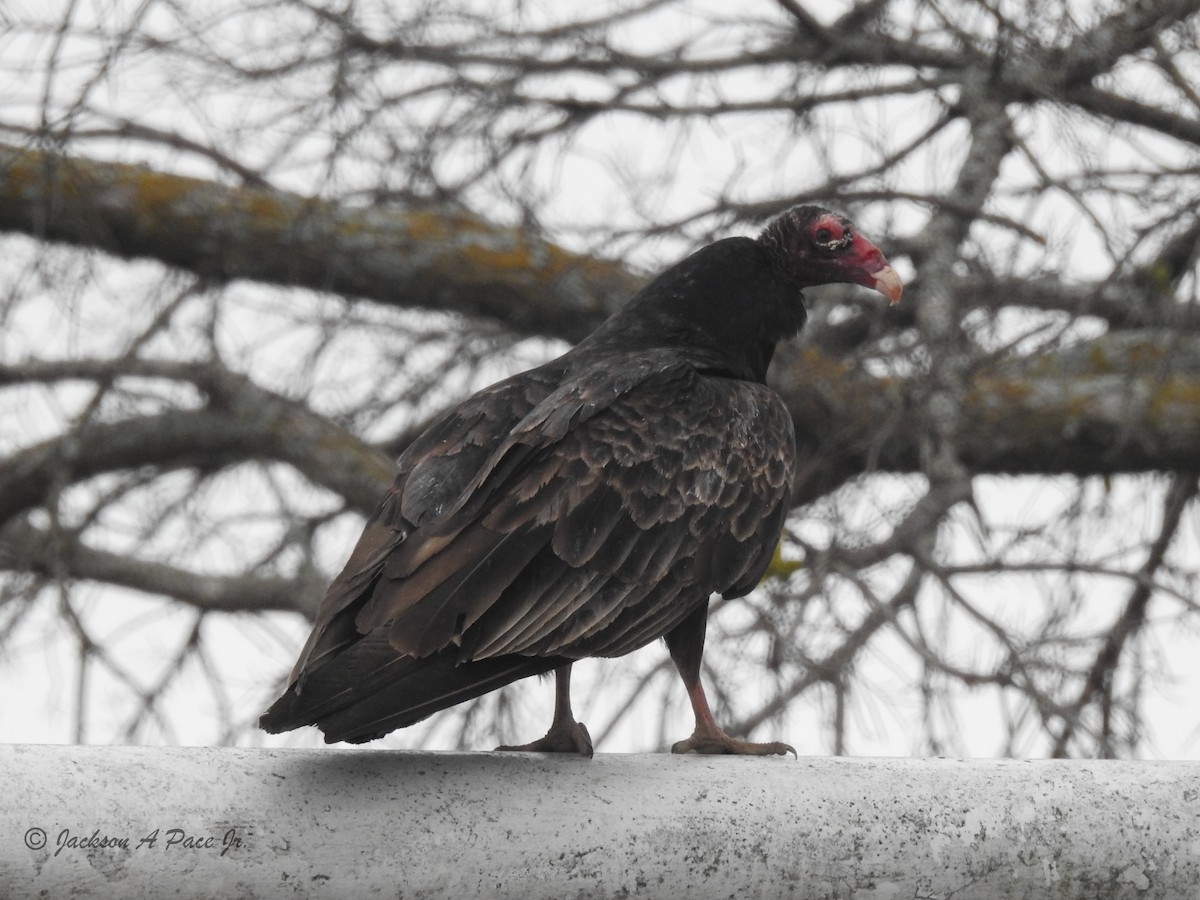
{"x": 555, "y": 516}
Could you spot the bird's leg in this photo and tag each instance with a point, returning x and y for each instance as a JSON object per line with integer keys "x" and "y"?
{"x": 565, "y": 734}
{"x": 686, "y": 643}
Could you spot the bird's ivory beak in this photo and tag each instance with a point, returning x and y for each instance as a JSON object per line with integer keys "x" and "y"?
{"x": 865, "y": 264}
{"x": 888, "y": 283}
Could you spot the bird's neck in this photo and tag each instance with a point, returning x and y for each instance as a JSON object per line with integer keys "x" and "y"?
{"x": 727, "y": 302}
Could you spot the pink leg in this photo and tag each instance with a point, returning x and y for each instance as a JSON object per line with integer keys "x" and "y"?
{"x": 686, "y": 644}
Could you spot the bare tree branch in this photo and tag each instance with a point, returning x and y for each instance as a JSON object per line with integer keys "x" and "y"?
{"x": 1099, "y": 677}
{"x": 434, "y": 258}
{"x": 24, "y": 547}
{"x": 241, "y": 422}
{"x": 520, "y": 171}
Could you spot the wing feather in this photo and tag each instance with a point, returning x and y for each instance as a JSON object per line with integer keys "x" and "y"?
{"x": 585, "y": 527}
{"x": 500, "y": 623}
{"x": 641, "y": 551}
{"x": 641, "y": 622}
{"x": 441, "y": 616}
{"x": 558, "y": 515}
{"x": 563, "y": 600}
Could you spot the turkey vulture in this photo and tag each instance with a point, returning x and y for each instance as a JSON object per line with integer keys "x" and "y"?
{"x": 584, "y": 507}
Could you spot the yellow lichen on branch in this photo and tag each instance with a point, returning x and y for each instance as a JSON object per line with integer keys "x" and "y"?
{"x": 433, "y": 257}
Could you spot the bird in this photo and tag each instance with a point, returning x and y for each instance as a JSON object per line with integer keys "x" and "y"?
{"x": 585, "y": 507}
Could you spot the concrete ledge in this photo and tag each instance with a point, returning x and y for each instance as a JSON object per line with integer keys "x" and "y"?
{"x": 128, "y": 822}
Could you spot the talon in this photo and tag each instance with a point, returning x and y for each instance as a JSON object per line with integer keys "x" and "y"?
{"x": 721, "y": 742}
{"x": 568, "y": 738}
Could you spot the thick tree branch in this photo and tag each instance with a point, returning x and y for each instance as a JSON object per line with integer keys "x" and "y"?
{"x": 1000, "y": 152}
{"x": 453, "y": 262}
{"x": 432, "y": 258}
{"x": 26, "y": 548}
{"x": 1123, "y": 403}
{"x": 1124, "y": 32}
{"x": 242, "y": 422}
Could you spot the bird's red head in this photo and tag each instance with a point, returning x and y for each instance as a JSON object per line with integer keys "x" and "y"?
{"x": 816, "y": 246}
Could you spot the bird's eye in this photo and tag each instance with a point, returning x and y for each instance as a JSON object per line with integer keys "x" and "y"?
{"x": 832, "y": 238}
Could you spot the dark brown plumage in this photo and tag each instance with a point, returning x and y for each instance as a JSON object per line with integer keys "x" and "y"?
{"x": 585, "y": 507}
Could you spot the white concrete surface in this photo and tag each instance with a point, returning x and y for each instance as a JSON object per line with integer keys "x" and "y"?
{"x": 130, "y": 822}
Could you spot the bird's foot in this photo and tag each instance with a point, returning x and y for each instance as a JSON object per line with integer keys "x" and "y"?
{"x": 720, "y": 742}
{"x": 566, "y": 737}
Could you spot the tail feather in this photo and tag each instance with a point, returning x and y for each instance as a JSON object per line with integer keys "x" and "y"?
{"x": 372, "y": 689}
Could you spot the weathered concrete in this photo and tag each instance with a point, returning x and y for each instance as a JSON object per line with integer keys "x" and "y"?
{"x": 203, "y": 822}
